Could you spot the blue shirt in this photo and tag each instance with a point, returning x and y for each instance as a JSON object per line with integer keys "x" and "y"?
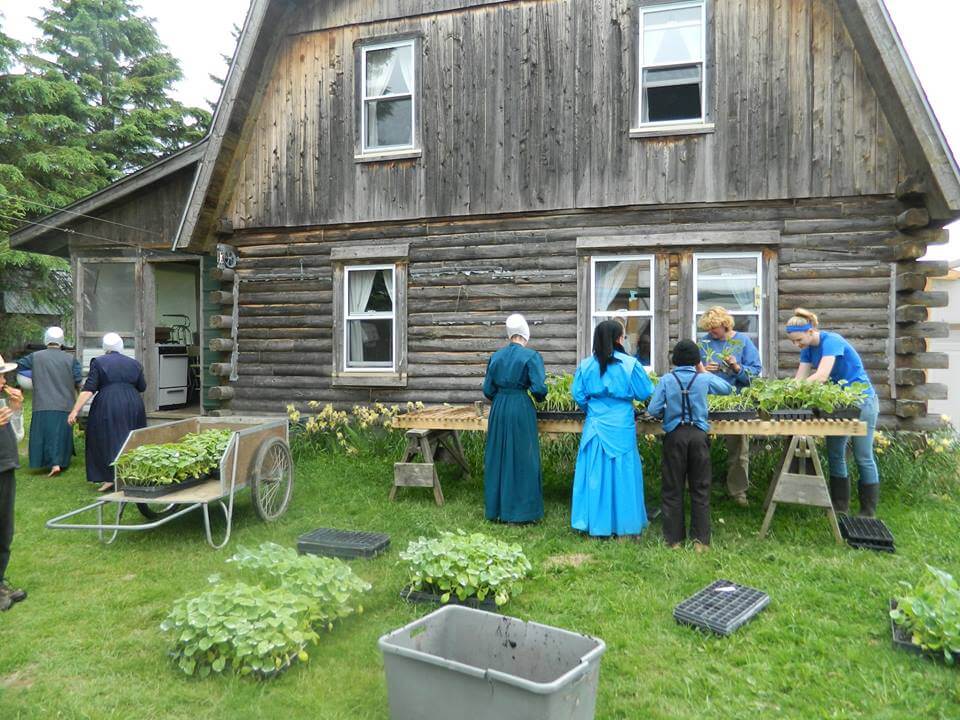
{"x": 667, "y": 397}
{"x": 847, "y": 366}
{"x": 746, "y": 355}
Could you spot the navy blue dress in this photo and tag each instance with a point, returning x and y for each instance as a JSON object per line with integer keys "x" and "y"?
{"x": 117, "y": 409}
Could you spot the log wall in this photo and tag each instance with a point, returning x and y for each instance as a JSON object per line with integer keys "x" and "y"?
{"x": 845, "y": 259}
{"x": 527, "y": 106}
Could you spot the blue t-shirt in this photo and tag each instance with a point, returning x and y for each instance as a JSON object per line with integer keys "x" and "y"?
{"x": 667, "y": 400}
{"x": 848, "y": 366}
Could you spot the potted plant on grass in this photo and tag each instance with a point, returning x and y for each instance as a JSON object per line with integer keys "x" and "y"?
{"x": 467, "y": 569}
{"x": 925, "y": 618}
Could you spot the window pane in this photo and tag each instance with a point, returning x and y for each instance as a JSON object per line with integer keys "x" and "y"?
{"x": 108, "y": 297}
{"x": 727, "y": 266}
{"x": 732, "y": 294}
{"x": 389, "y": 122}
{"x": 672, "y": 102}
{"x": 370, "y": 343}
{"x": 747, "y": 324}
{"x": 390, "y": 71}
{"x": 672, "y": 76}
{"x": 622, "y": 285}
{"x": 369, "y": 291}
{"x": 638, "y": 336}
{"x": 666, "y": 41}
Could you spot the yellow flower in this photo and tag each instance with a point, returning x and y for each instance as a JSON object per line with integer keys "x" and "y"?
{"x": 945, "y": 418}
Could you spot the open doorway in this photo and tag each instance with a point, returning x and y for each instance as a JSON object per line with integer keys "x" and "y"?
{"x": 173, "y": 335}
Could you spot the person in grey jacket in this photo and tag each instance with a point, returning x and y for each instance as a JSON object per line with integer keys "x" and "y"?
{"x": 11, "y": 432}
{"x": 56, "y": 376}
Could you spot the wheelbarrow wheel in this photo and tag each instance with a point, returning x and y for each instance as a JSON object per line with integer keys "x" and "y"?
{"x": 155, "y": 511}
{"x": 271, "y": 482}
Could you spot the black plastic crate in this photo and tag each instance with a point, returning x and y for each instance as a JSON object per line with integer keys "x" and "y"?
{"x": 342, "y": 543}
{"x": 721, "y": 607}
{"x": 792, "y": 414}
{"x": 718, "y": 415}
{"x": 867, "y": 533}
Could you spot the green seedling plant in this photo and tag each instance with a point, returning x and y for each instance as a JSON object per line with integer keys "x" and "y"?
{"x": 261, "y": 626}
{"x": 559, "y": 397}
{"x": 195, "y": 455}
{"x": 734, "y": 402}
{"x": 719, "y": 357}
{"x": 467, "y": 565}
{"x": 930, "y": 611}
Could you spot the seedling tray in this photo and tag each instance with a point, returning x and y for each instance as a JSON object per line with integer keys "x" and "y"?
{"x": 732, "y": 415}
{"x": 342, "y": 543}
{"x": 867, "y": 533}
{"x": 155, "y": 491}
{"x": 902, "y": 640}
{"x": 848, "y": 413}
{"x": 721, "y": 607}
{"x": 792, "y": 414}
{"x": 422, "y": 596}
{"x": 575, "y": 415}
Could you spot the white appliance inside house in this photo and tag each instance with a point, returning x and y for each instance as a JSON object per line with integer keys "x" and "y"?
{"x": 172, "y": 376}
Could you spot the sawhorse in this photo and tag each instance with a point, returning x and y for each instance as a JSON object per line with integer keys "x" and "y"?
{"x": 433, "y": 446}
{"x": 800, "y": 481}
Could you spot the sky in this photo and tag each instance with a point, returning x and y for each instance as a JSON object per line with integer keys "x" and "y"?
{"x": 198, "y": 32}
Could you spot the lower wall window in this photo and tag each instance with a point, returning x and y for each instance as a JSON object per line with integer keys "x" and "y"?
{"x": 732, "y": 280}
{"x": 369, "y": 330}
{"x": 623, "y": 289}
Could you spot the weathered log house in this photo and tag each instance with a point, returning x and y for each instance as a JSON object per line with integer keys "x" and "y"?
{"x": 394, "y": 178}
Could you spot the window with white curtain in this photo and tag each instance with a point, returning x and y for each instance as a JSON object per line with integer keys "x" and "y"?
{"x": 672, "y": 63}
{"x": 623, "y": 289}
{"x": 734, "y": 281}
{"x": 369, "y": 326}
{"x": 388, "y": 101}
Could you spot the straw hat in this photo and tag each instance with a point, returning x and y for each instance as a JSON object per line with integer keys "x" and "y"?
{"x": 6, "y": 367}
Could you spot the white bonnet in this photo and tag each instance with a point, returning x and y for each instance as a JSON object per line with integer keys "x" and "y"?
{"x": 517, "y": 325}
{"x": 112, "y": 342}
{"x": 53, "y": 336}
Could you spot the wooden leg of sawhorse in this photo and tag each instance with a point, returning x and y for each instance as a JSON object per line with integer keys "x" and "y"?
{"x": 801, "y": 487}
{"x": 418, "y": 474}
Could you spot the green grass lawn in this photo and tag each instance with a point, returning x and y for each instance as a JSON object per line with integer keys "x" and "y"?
{"x": 87, "y": 644}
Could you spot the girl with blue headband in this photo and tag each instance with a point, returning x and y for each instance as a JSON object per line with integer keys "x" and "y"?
{"x": 828, "y": 357}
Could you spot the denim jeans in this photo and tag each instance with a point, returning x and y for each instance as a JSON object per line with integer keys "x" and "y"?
{"x": 862, "y": 447}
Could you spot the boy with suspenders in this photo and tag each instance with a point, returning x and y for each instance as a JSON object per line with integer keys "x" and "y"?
{"x": 681, "y": 400}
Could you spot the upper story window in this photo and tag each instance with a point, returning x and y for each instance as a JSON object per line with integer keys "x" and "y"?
{"x": 623, "y": 289}
{"x": 672, "y": 64}
{"x": 388, "y": 97}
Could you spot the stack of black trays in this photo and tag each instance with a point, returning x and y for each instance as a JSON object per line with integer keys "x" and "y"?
{"x": 721, "y": 607}
{"x": 867, "y": 533}
{"x": 342, "y": 543}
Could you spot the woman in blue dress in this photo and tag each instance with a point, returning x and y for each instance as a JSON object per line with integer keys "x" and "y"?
{"x": 608, "y": 480}
{"x": 512, "y": 482}
{"x": 828, "y": 357}
{"x": 115, "y": 382}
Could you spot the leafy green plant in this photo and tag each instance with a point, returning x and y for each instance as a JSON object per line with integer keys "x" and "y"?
{"x": 473, "y": 565}
{"x": 730, "y": 347}
{"x": 195, "y": 455}
{"x": 559, "y": 396}
{"x": 262, "y": 626}
{"x": 930, "y": 612}
{"x": 791, "y": 394}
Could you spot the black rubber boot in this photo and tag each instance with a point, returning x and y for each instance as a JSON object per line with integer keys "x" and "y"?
{"x": 840, "y": 493}
{"x": 869, "y": 497}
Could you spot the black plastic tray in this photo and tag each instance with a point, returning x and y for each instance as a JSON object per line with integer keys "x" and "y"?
{"x": 867, "y": 533}
{"x": 575, "y": 415}
{"x": 420, "y": 596}
{"x": 792, "y": 414}
{"x": 732, "y": 415}
{"x": 848, "y": 413}
{"x": 903, "y": 641}
{"x": 342, "y": 543}
{"x": 721, "y": 607}
{"x": 155, "y": 491}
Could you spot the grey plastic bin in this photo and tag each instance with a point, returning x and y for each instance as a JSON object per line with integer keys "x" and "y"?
{"x": 489, "y": 667}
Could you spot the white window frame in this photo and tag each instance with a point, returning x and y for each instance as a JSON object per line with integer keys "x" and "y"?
{"x": 347, "y": 317}
{"x": 759, "y": 297}
{"x": 686, "y": 123}
{"x": 364, "y": 98}
{"x": 610, "y": 314}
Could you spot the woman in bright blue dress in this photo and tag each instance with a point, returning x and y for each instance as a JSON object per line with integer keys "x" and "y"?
{"x": 608, "y": 480}
{"x": 512, "y": 480}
